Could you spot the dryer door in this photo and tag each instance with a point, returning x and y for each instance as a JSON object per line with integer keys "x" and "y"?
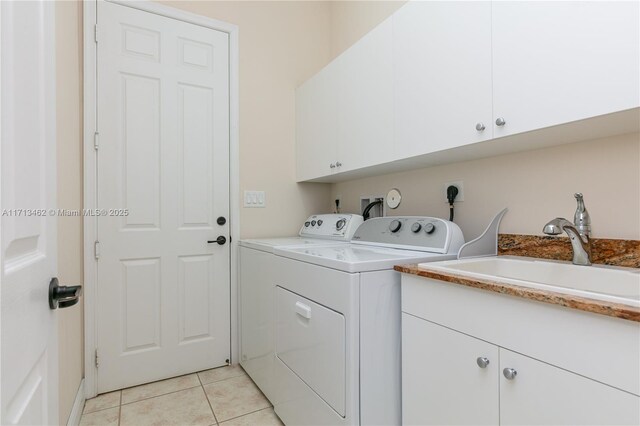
{"x": 310, "y": 340}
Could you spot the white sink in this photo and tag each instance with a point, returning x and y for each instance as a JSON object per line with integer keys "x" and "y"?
{"x": 618, "y": 285}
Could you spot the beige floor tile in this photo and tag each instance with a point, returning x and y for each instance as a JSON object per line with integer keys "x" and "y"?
{"x": 266, "y": 417}
{"x": 235, "y": 397}
{"x": 220, "y": 373}
{"x": 186, "y": 407}
{"x": 108, "y": 417}
{"x": 100, "y": 402}
{"x": 159, "y": 388}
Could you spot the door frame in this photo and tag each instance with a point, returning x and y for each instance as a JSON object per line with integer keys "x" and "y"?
{"x": 90, "y": 170}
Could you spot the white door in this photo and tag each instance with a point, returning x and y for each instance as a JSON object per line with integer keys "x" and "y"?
{"x": 442, "y": 75}
{"x": 29, "y": 329}
{"x": 365, "y": 101}
{"x": 448, "y": 378}
{"x": 561, "y": 61}
{"x": 163, "y": 158}
{"x": 541, "y": 394}
{"x": 316, "y": 120}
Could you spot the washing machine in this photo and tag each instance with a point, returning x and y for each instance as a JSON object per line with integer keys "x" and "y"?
{"x": 337, "y": 321}
{"x": 257, "y": 287}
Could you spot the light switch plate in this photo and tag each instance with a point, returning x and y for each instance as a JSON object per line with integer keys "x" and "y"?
{"x": 255, "y": 199}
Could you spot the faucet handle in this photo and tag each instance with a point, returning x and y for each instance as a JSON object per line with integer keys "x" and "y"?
{"x": 581, "y": 218}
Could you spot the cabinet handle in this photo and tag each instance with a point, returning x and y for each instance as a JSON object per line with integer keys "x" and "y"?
{"x": 332, "y": 165}
{"x": 338, "y": 164}
{"x": 303, "y": 310}
{"x": 482, "y": 362}
{"x": 480, "y": 127}
{"x": 509, "y": 373}
{"x": 500, "y": 122}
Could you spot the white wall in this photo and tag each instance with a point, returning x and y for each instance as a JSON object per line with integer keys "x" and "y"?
{"x": 351, "y": 20}
{"x": 536, "y": 186}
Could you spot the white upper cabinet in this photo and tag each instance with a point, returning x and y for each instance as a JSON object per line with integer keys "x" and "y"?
{"x": 316, "y": 129}
{"x": 442, "y": 75}
{"x": 436, "y": 78}
{"x": 557, "y": 62}
{"x": 365, "y": 107}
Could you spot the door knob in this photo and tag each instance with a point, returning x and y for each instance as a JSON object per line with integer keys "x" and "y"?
{"x": 480, "y": 127}
{"x": 332, "y": 165}
{"x": 221, "y": 220}
{"x": 220, "y": 240}
{"x": 61, "y": 296}
{"x": 510, "y": 373}
{"x": 338, "y": 164}
{"x": 482, "y": 362}
{"x": 500, "y": 122}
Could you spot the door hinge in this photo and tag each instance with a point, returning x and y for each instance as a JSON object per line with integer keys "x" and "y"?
{"x": 95, "y": 33}
{"x": 96, "y": 140}
{"x": 97, "y": 359}
{"x": 96, "y": 250}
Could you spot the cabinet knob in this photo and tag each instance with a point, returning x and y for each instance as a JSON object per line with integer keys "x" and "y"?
{"x": 509, "y": 373}
{"x": 482, "y": 362}
{"x": 332, "y": 165}
{"x": 480, "y": 127}
{"x": 500, "y": 122}
{"x": 338, "y": 164}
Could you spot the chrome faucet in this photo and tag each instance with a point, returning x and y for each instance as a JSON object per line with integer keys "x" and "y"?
{"x": 578, "y": 232}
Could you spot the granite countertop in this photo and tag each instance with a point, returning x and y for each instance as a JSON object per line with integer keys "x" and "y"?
{"x": 617, "y": 310}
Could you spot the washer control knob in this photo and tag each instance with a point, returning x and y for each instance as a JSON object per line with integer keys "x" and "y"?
{"x": 313, "y": 223}
{"x": 395, "y": 225}
{"x": 429, "y": 228}
{"x": 340, "y": 224}
{"x": 306, "y": 224}
{"x": 416, "y": 227}
{"x": 319, "y": 222}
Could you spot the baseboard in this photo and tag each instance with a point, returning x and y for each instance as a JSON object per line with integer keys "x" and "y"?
{"x": 78, "y": 406}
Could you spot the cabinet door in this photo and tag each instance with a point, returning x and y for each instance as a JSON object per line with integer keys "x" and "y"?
{"x": 442, "y": 383}
{"x": 365, "y": 108}
{"x": 442, "y": 75}
{"x": 542, "y": 394}
{"x": 556, "y": 62}
{"x": 316, "y": 115}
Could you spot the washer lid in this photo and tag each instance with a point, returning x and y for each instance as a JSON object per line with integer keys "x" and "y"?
{"x": 268, "y": 244}
{"x": 358, "y": 258}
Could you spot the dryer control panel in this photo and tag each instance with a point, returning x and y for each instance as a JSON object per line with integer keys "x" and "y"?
{"x": 339, "y": 227}
{"x": 411, "y": 232}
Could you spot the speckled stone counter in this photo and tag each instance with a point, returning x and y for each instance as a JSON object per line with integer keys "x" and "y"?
{"x": 570, "y": 301}
{"x": 603, "y": 251}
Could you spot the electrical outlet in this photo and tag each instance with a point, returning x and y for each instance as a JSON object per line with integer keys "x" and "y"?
{"x": 458, "y": 184}
{"x": 255, "y": 199}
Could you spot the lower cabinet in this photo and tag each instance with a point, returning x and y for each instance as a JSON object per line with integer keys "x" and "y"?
{"x": 452, "y": 378}
{"x": 441, "y": 380}
{"x": 542, "y": 394}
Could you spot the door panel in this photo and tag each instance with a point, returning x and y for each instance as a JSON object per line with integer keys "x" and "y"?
{"x": 557, "y": 62}
{"x": 29, "y": 329}
{"x": 316, "y": 123}
{"x": 441, "y": 380}
{"x": 542, "y": 394}
{"x": 365, "y": 107}
{"x": 163, "y": 119}
{"x": 442, "y": 75}
{"x": 311, "y": 341}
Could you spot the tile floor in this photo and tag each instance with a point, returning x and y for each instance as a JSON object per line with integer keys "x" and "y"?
{"x": 224, "y": 396}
